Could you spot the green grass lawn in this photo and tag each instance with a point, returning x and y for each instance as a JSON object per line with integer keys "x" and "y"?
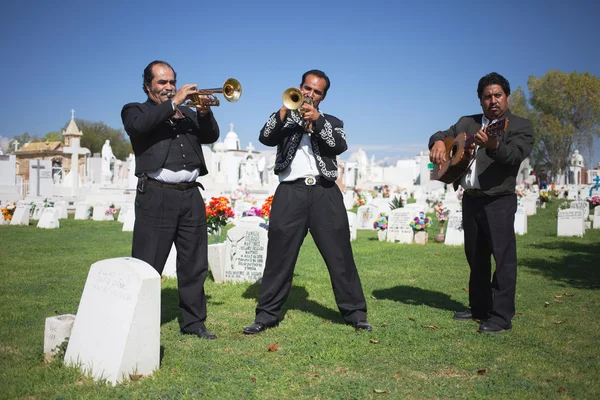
{"x": 415, "y": 351}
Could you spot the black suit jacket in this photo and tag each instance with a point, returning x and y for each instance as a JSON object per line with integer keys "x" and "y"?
{"x": 328, "y": 140}
{"x": 148, "y": 127}
{"x": 498, "y": 168}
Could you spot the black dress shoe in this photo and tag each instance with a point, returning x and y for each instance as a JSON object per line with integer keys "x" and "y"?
{"x": 200, "y": 332}
{"x": 467, "y": 315}
{"x": 362, "y": 326}
{"x": 492, "y": 327}
{"x": 258, "y": 327}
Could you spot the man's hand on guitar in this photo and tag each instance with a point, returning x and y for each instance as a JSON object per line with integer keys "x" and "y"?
{"x": 483, "y": 140}
{"x": 437, "y": 155}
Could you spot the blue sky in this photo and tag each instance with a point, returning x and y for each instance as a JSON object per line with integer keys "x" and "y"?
{"x": 400, "y": 71}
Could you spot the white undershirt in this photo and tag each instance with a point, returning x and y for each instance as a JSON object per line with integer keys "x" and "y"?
{"x": 470, "y": 179}
{"x": 303, "y": 165}
{"x": 168, "y": 176}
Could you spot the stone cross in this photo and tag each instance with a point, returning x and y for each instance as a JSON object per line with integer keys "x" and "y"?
{"x": 16, "y": 144}
{"x": 72, "y": 114}
{"x": 75, "y": 150}
{"x": 597, "y": 180}
{"x": 38, "y": 167}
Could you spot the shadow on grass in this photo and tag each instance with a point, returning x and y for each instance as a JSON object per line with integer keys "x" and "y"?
{"x": 169, "y": 305}
{"x": 298, "y": 300}
{"x": 577, "y": 265}
{"x": 414, "y": 296}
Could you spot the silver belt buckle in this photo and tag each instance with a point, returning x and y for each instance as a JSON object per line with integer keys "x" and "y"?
{"x": 310, "y": 181}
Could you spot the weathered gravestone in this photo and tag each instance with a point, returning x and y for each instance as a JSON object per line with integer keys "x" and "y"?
{"x": 61, "y": 208}
{"x": 352, "y": 224}
{"x": 399, "y": 230}
{"x": 117, "y": 328}
{"x": 21, "y": 215}
{"x": 129, "y": 220}
{"x": 99, "y": 213}
{"x": 520, "y": 221}
{"x": 49, "y": 219}
{"x": 365, "y": 216}
{"x": 246, "y": 253}
{"x": 583, "y": 206}
{"x": 349, "y": 199}
{"x": 454, "y": 230}
{"x": 57, "y": 330}
{"x": 570, "y": 222}
{"x": 252, "y": 221}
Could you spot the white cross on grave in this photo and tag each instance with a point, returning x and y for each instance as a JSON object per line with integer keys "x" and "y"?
{"x": 16, "y": 144}
{"x": 75, "y": 150}
{"x": 37, "y": 168}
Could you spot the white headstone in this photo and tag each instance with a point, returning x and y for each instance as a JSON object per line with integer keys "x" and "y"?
{"x": 9, "y": 190}
{"x": 56, "y": 331}
{"x": 520, "y": 221}
{"x": 596, "y": 222}
{"x": 583, "y": 206}
{"x": 49, "y": 219}
{"x": 570, "y": 222}
{"x": 399, "y": 230}
{"x": 241, "y": 207}
{"x": 117, "y": 329}
{"x": 61, "y": 207}
{"x": 129, "y": 222}
{"x": 216, "y": 261}
{"x": 99, "y": 213}
{"x": 246, "y": 250}
{"x": 170, "y": 268}
{"x": 21, "y": 215}
{"x": 125, "y": 209}
{"x": 352, "y": 224}
{"x": 382, "y": 204}
{"x": 252, "y": 222}
{"x": 349, "y": 199}
{"x": 365, "y": 216}
{"x": 82, "y": 211}
{"x": 454, "y": 230}
{"x": 39, "y": 209}
{"x": 529, "y": 203}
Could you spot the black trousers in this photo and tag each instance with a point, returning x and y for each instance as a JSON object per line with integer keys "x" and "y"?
{"x": 296, "y": 208}
{"x": 488, "y": 223}
{"x": 164, "y": 216}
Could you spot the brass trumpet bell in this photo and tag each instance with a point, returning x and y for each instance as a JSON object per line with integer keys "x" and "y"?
{"x": 231, "y": 90}
{"x": 292, "y": 98}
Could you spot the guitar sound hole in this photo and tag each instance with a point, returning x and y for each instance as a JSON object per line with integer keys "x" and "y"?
{"x": 453, "y": 151}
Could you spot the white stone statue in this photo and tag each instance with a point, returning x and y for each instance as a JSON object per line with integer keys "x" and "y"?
{"x": 577, "y": 159}
{"x": 107, "y": 158}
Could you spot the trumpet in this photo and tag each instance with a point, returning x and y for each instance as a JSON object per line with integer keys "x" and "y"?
{"x": 231, "y": 90}
{"x": 293, "y": 99}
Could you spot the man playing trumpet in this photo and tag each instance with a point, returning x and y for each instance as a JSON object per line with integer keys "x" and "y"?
{"x": 308, "y": 198}
{"x": 166, "y": 139}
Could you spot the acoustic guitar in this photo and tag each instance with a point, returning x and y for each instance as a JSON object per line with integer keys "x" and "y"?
{"x": 457, "y": 153}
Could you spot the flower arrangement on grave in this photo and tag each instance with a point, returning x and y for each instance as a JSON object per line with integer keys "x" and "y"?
{"x": 554, "y": 190}
{"x": 359, "y": 198}
{"x": 562, "y": 206}
{"x": 8, "y": 211}
{"x": 385, "y": 191}
{"x": 253, "y": 212}
{"x": 90, "y": 212}
{"x": 218, "y": 212}
{"x": 396, "y": 202}
{"x": 381, "y": 222}
{"x": 266, "y": 208}
{"x": 110, "y": 211}
{"x": 441, "y": 213}
{"x": 431, "y": 200}
{"x": 594, "y": 202}
{"x": 544, "y": 196}
{"x": 519, "y": 193}
{"x": 242, "y": 194}
{"x": 421, "y": 222}
{"x": 48, "y": 203}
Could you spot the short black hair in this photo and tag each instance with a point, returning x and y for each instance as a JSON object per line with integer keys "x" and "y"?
{"x": 493, "y": 78}
{"x": 148, "y": 75}
{"x": 321, "y": 75}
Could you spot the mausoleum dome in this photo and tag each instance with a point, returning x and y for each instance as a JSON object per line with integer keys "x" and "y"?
{"x": 232, "y": 141}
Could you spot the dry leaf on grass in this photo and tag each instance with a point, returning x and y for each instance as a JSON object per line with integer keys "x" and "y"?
{"x": 568, "y": 295}
{"x": 558, "y": 322}
{"x": 546, "y": 304}
{"x": 562, "y": 390}
{"x": 326, "y": 320}
{"x": 374, "y": 298}
{"x": 466, "y": 290}
{"x": 381, "y": 390}
{"x": 432, "y": 326}
{"x": 253, "y": 380}
{"x": 411, "y": 318}
{"x": 134, "y": 377}
{"x": 481, "y": 371}
{"x": 374, "y": 341}
{"x": 273, "y": 347}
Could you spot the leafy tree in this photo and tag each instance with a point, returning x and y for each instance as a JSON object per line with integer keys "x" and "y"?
{"x": 22, "y": 139}
{"x": 567, "y": 112}
{"x": 95, "y": 135}
{"x": 53, "y": 136}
